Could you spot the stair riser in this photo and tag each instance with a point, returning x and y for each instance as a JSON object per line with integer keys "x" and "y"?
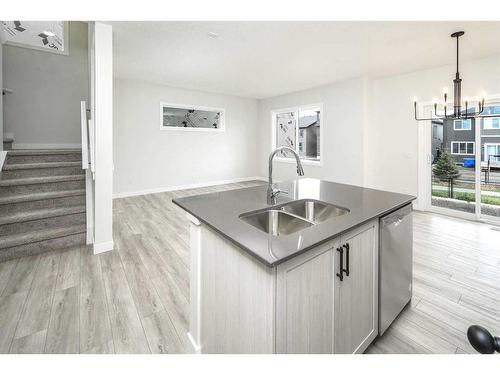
{"x": 20, "y": 159}
{"x": 77, "y": 200}
{"x": 41, "y": 224}
{"x": 42, "y": 246}
{"x": 41, "y": 172}
{"x": 7, "y": 146}
{"x": 39, "y": 188}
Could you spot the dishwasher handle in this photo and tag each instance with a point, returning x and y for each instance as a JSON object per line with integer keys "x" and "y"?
{"x": 396, "y": 217}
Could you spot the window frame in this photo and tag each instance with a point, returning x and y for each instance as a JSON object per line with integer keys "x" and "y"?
{"x": 488, "y": 125}
{"x": 460, "y": 153}
{"x": 296, "y": 109}
{"x": 462, "y": 120}
{"x": 485, "y": 145}
{"x": 220, "y": 129}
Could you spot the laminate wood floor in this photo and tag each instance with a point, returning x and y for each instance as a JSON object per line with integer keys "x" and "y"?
{"x": 135, "y": 299}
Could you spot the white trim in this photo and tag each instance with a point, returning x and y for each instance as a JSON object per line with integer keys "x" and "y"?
{"x": 484, "y": 149}
{"x": 490, "y": 135}
{"x": 462, "y": 120}
{"x": 3, "y": 156}
{"x": 184, "y": 187}
{"x": 36, "y": 146}
{"x": 103, "y": 247}
{"x": 220, "y": 129}
{"x": 460, "y": 153}
{"x": 297, "y": 109}
{"x": 43, "y": 49}
{"x": 424, "y": 163}
{"x": 477, "y": 174}
{"x": 489, "y": 120}
{"x": 196, "y": 347}
{"x": 452, "y": 213}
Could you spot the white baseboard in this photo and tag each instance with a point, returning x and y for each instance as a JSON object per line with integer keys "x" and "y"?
{"x": 3, "y": 155}
{"x": 90, "y": 235}
{"x": 36, "y": 146}
{"x": 184, "y": 187}
{"x": 103, "y": 247}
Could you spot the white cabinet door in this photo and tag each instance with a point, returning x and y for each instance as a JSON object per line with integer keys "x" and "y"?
{"x": 356, "y": 296}
{"x": 305, "y": 285}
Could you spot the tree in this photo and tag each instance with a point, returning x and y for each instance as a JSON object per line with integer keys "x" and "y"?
{"x": 446, "y": 169}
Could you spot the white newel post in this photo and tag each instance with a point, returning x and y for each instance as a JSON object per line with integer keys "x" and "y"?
{"x": 195, "y": 286}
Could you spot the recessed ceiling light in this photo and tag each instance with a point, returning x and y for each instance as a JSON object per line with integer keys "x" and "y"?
{"x": 211, "y": 34}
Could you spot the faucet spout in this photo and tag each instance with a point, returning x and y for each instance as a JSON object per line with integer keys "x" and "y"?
{"x": 272, "y": 192}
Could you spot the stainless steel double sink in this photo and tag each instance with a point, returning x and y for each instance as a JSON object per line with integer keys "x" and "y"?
{"x": 293, "y": 216}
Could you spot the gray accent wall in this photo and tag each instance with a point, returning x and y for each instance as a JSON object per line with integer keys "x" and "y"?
{"x": 44, "y": 108}
{"x": 1, "y": 97}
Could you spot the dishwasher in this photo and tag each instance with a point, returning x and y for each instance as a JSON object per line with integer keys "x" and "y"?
{"x": 395, "y": 264}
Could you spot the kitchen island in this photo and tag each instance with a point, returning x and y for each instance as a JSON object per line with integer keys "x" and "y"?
{"x": 297, "y": 276}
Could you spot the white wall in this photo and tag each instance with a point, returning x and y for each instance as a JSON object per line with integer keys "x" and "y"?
{"x": 391, "y": 147}
{"x": 148, "y": 159}
{"x": 44, "y": 108}
{"x": 341, "y": 129}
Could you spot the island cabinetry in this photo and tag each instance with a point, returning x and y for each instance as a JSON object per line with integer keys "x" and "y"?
{"x": 305, "y": 302}
{"x": 327, "y": 298}
{"x": 356, "y": 296}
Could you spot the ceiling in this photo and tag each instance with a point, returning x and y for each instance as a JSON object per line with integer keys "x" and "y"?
{"x": 264, "y": 59}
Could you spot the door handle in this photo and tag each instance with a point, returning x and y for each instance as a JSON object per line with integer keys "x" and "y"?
{"x": 346, "y": 247}
{"x": 340, "y": 274}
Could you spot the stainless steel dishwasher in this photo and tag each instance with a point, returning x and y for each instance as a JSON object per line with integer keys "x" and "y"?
{"x": 395, "y": 264}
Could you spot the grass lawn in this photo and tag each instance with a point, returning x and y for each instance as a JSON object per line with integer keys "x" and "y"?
{"x": 468, "y": 197}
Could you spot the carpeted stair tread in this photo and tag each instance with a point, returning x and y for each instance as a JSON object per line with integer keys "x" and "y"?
{"x": 38, "y": 236}
{"x": 60, "y": 164}
{"x": 20, "y": 217}
{"x": 44, "y": 152}
{"x": 41, "y": 196}
{"x": 40, "y": 180}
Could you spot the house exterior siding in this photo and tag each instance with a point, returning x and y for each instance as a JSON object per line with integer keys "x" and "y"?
{"x": 488, "y": 136}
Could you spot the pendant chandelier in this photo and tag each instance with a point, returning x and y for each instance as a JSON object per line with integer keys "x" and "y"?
{"x": 457, "y": 113}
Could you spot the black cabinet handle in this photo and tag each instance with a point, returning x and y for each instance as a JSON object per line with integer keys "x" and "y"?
{"x": 346, "y": 270}
{"x": 341, "y": 266}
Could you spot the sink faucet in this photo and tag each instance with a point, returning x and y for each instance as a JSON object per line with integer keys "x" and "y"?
{"x": 273, "y": 192}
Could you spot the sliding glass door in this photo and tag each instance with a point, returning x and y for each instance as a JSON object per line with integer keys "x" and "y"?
{"x": 453, "y": 167}
{"x": 490, "y": 163}
{"x": 464, "y": 166}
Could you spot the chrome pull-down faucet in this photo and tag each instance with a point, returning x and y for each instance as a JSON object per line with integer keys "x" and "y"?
{"x": 273, "y": 192}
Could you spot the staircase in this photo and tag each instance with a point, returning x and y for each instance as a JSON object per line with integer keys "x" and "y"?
{"x": 42, "y": 202}
{"x": 7, "y": 143}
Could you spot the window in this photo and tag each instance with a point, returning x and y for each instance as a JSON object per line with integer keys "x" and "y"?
{"x": 462, "y": 124}
{"x": 491, "y": 123}
{"x": 491, "y": 150}
{"x": 462, "y": 148}
{"x": 300, "y": 129}
{"x": 48, "y": 36}
{"x": 191, "y": 118}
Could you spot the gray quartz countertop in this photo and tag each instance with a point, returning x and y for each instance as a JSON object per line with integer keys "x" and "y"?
{"x": 221, "y": 211}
